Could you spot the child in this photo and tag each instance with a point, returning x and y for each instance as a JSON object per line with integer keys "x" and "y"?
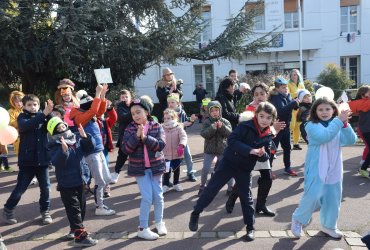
{"x": 361, "y": 106}
{"x": 327, "y": 131}
{"x": 144, "y": 141}
{"x": 204, "y": 108}
{"x": 58, "y": 111}
{"x": 173, "y": 102}
{"x": 215, "y": 132}
{"x": 248, "y": 143}
{"x": 15, "y": 101}
{"x": 176, "y": 140}
{"x": 33, "y": 158}
{"x": 65, "y": 96}
{"x": 86, "y": 115}
{"x": 124, "y": 118}
{"x": 200, "y": 94}
{"x": 284, "y": 105}
{"x": 305, "y": 99}
{"x": 66, "y": 151}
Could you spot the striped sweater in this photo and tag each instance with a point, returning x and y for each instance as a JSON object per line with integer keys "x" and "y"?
{"x": 134, "y": 148}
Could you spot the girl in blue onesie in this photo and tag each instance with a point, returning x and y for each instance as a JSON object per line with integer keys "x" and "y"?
{"x": 327, "y": 131}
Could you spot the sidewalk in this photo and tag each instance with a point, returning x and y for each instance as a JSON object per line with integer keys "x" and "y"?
{"x": 217, "y": 229}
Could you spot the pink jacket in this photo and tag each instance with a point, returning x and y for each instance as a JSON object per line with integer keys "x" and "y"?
{"x": 174, "y": 137}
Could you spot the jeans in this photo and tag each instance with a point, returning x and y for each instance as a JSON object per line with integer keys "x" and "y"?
{"x": 175, "y": 167}
{"x": 24, "y": 178}
{"x": 74, "y": 201}
{"x": 121, "y": 159}
{"x": 283, "y": 137}
{"x": 188, "y": 159}
{"x": 151, "y": 193}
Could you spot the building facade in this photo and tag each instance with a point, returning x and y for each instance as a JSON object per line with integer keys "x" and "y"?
{"x": 333, "y": 31}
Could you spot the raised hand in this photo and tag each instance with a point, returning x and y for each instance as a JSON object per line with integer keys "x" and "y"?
{"x": 82, "y": 131}
{"x": 98, "y": 90}
{"x": 279, "y": 125}
{"x": 48, "y": 107}
{"x": 104, "y": 91}
{"x": 140, "y": 132}
{"x": 64, "y": 144}
{"x": 345, "y": 115}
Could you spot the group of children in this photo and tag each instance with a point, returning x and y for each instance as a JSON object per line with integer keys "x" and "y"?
{"x": 79, "y": 139}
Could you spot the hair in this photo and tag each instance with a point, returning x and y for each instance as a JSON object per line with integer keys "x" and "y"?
{"x": 323, "y": 100}
{"x": 172, "y": 113}
{"x": 227, "y": 82}
{"x": 298, "y": 74}
{"x": 232, "y": 71}
{"x": 362, "y": 91}
{"x": 261, "y": 85}
{"x": 60, "y": 109}
{"x": 125, "y": 92}
{"x": 269, "y": 109}
{"x": 29, "y": 98}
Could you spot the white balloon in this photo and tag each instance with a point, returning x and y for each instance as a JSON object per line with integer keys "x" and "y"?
{"x": 324, "y": 92}
{"x": 4, "y": 118}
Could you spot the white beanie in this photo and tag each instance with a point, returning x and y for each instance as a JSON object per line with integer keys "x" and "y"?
{"x": 301, "y": 93}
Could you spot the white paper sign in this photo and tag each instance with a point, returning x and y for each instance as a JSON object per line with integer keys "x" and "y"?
{"x": 344, "y": 97}
{"x": 103, "y": 75}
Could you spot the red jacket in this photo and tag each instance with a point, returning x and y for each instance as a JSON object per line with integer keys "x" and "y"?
{"x": 109, "y": 123}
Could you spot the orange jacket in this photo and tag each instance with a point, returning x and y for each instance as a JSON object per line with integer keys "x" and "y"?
{"x": 98, "y": 107}
{"x": 360, "y": 105}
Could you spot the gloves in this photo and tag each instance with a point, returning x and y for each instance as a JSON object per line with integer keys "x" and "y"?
{"x": 180, "y": 150}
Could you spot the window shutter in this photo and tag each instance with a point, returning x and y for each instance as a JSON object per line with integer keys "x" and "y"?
{"x": 344, "y": 3}
{"x": 250, "y": 6}
{"x": 291, "y": 5}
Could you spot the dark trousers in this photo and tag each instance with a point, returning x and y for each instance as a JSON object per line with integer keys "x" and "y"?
{"x": 25, "y": 175}
{"x": 366, "y": 164}
{"x": 121, "y": 159}
{"x": 74, "y": 201}
{"x": 303, "y": 131}
{"x": 175, "y": 168}
{"x": 283, "y": 137}
{"x": 222, "y": 175}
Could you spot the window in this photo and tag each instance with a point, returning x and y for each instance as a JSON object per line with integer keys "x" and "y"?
{"x": 259, "y": 19}
{"x": 256, "y": 69}
{"x": 206, "y": 35}
{"x": 291, "y": 14}
{"x": 204, "y": 74}
{"x": 349, "y": 18}
{"x": 350, "y": 64}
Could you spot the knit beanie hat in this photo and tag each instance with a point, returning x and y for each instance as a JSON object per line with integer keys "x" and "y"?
{"x": 301, "y": 93}
{"x": 174, "y": 97}
{"x": 85, "y": 99}
{"x": 166, "y": 71}
{"x": 53, "y": 123}
{"x": 205, "y": 101}
{"x": 145, "y": 102}
{"x": 66, "y": 83}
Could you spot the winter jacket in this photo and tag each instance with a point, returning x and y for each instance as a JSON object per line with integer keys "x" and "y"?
{"x": 284, "y": 106}
{"x": 163, "y": 92}
{"x": 124, "y": 119}
{"x": 69, "y": 171}
{"x": 362, "y": 107}
{"x": 174, "y": 137}
{"x": 215, "y": 140}
{"x": 134, "y": 148}
{"x": 105, "y": 127}
{"x": 294, "y": 87}
{"x": 33, "y": 150}
{"x": 242, "y": 140}
{"x": 200, "y": 94}
{"x": 303, "y": 112}
{"x": 228, "y": 107}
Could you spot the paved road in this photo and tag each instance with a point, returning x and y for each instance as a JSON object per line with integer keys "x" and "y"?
{"x": 218, "y": 230}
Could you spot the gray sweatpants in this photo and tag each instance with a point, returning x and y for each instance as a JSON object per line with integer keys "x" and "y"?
{"x": 100, "y": 172}
{"x": 207, "y": 164}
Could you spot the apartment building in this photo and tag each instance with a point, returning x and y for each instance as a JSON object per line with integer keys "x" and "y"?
{"x": 333, "y": 31}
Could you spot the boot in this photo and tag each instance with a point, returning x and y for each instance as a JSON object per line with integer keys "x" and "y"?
{"x": 231, "y": 200}
{"x": 263, "y": 191}
{"x": 9, "y": 217}
{"x": 193, "y": 223}
{"x": 250, "y": 233}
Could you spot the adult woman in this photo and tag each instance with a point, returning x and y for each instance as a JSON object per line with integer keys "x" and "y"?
{"x": 165, "y": 86}
{"x": 295, "y": 84}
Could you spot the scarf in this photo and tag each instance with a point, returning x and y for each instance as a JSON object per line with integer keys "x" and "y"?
{"x": 170, "y": 124}
{"x": 69, "y": 137}
{"x": 326, "y": 123}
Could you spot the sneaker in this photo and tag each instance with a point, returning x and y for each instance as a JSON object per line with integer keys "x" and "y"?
{"x": 296, "y": 147}
{"x": 364, "y": 173}
{"x": 291, "y": 172}
{"x": 46, "y": 218}
{"x": 147, "y": 234}
{"x": 165, "y": 189}
{"x": 178, "y": 188}
{"x": 85, "y": 242}
{"x": 296, "y": 228}
{"x": 104, "y": 210}
{"x": 161, "y": 228}
{"x": 193, "y": 223}
{"x": 34, "y": 181}
{"x": 191, "y": 177}
{"x": 114, "y": 178}
{"x": 70, "y": 235}
{"x": 9, "y": 217}
{"x": 335, "y": 233}
{"x": 9, "y": 169}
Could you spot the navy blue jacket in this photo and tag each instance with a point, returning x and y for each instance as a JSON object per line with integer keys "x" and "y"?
{"x": 33, "y": 146}
{"x": 241, "y": 141}
{"x": 284, "y": 106}
{"x": 124, "y": 119}
{"x": 69, "y": 170}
